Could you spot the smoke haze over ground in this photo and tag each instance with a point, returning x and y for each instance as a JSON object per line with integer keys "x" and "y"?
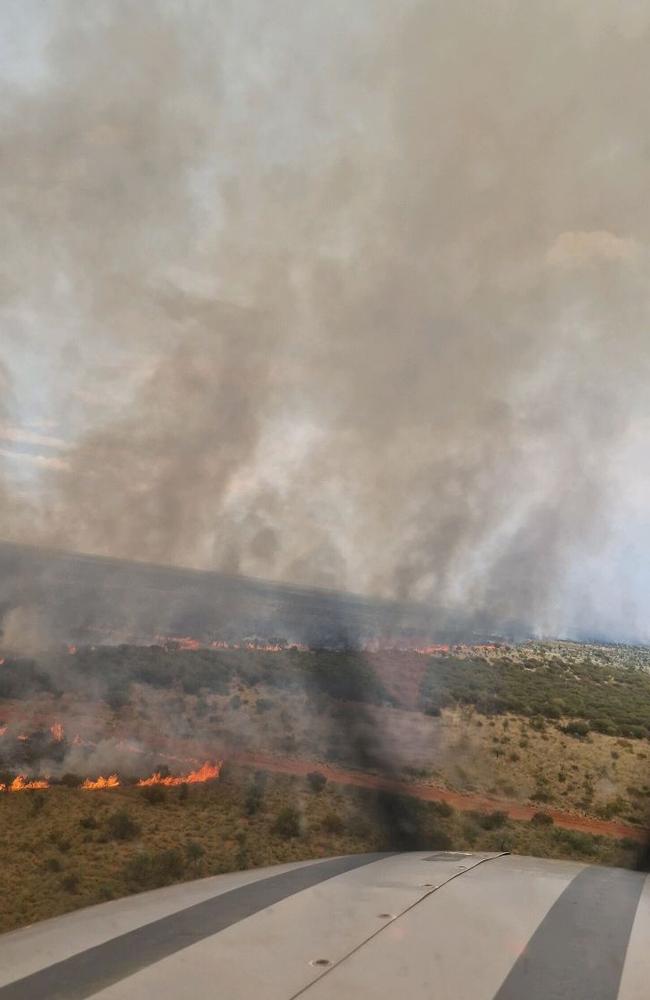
{"x": 341, "y": 295}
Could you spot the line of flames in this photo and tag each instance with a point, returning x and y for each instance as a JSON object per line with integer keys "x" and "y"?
{"x": 90, "y": 786}
{"x": 207, "y": 772}
{"x": 188, "y": 642}
{"x": 21, "y": 784}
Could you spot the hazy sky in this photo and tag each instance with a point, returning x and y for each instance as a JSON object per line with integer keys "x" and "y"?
{"x": 346, "y": 293}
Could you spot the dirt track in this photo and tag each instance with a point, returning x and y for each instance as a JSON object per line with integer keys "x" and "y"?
{"x": 429, "y": 793}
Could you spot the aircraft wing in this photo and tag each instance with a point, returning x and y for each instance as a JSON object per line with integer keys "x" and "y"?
{"x": 443, "y": 925}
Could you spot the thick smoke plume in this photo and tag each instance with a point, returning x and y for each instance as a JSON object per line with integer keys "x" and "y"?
{"x": 351, "y": 295}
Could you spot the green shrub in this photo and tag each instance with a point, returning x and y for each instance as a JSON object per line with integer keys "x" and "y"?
{"x": 287, "y": 823}
{"x": 154, "y": 794}
{"x": 316, "y": 781}
{"x": 615, "y": 807}
{"x": 149, "y": 870}
{"x": 542, "y": 819}
{"x": 253, "y": 800}
{"x": 194, "y": 851}
{"x": 442, "y": 809}
{"x": 493, "y": 820}
{"x": 70, "y": 882}
{"x": 71, "y": 780}
{"x": 575, "y": 841}
{"x": 120, "y": 826}
{"x": 580, "y": 730}
{"x": 59, "y": 840}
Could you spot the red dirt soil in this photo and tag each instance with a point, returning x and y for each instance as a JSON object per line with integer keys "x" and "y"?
{"x": 429, "y": 793}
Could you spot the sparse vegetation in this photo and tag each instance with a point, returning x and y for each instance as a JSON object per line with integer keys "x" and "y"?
{"x": 219, "y": 836}
{"x": 588, "y": 694}
{"x": 120, "y": 826}
{"x": 153, "y": 794}
{"x": 563, "y": 727}
{"x": 287, "y": 822}
{"x": 316, "y": 781}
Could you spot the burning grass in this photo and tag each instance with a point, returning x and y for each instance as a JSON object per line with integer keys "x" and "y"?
{"x": 208, "y": 772}
{"x": 22, "y": 784}
{"x": 59, "y": 854}
{"x": 128, "y": 709}
{"x": 101, "y": 783}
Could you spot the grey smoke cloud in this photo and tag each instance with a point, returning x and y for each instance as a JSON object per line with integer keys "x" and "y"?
{"x": 343, "y": 297}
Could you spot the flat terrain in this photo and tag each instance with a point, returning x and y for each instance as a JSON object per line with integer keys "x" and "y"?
{"x": 541, "y": 748}
{"x": 66, "y": 848}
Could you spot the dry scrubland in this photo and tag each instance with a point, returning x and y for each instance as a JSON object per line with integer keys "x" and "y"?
{"x": 66, "y": 848}
{"x": 558, "y": 726}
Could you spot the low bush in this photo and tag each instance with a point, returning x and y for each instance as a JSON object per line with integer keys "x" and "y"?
{"x": 287, "y": 823}
{"x": 151, "y": 869}
{"x": 154, "y": 794}
{"x": 120, "y": 826}
{"x": 71, "y": 780}
{"x": 580, "y": 730}
{"x": 194, "y": 851}
{"x": 70, "y": 882}
{"x": 333, "y": 823}
{"x": 442, "y": 809}
{"x": 316, "y": 781}
{"x": 493, "y": 820}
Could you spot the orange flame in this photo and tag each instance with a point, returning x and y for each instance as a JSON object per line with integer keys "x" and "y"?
{"x": 207, "y": 772}
{"x": 111, "y": 782}
{"x": 21, "y": 784}
{"x": 57, "y": 732}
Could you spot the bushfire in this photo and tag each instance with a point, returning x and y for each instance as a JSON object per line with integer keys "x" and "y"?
{"x": 21, "y": 784}
{"x": 91, "y": 786}
{"x": 57, "y": 732}
{"x": 207, "y": 772}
